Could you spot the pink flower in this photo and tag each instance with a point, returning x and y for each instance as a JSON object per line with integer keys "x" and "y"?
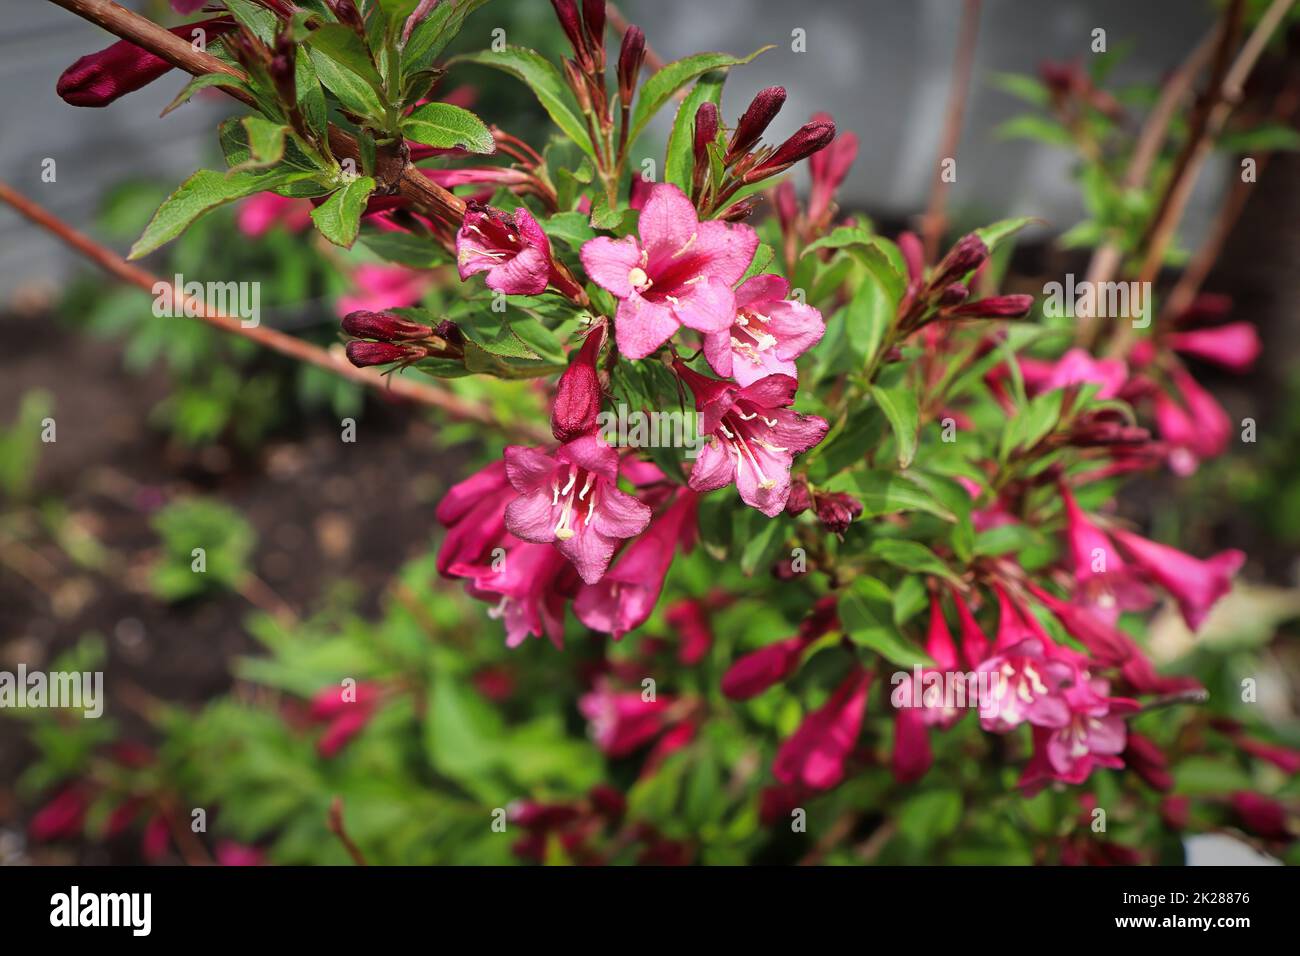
{"x": 257, "y": 214}
{"x": 1261, "y": 815}
{"x": 99, "y": 78}
{"x": 755, "y": 437}
{"x": 1075, "y": 367}
{"x": 230, "y": 853}
{"x": 530, "y": 584}
{"x": 1195, "y": 584}
{"x": 1093, "y": 735}
{"x": 577, "y": 395}
{"x": 816, "y": 753}
{"x": 1105, "y": 583}
{"x": 571, "y": 498}
{"x": 689, "y": 619}
{"x": 380, "y": 287}
{"x": 624, "y": 597}
{"x": 827, "y": 170}
{"x": 912, "y": 754}
{"x": 1235, "y": 346}
{"x": 1197, "y": 427}
{"x": 155, "y": 841}
{"x": 510, "y": 247}
{"x": 474, "y": 513}
{"x": 622, "y": 721}
{"x": 61, "y": 818}
{"x": 768, "y": 333}
{"x": 345, "y": 716}
{"x": 755, "y": 672}
{"x": 1025, "y": 686}
{"x": 679, "y": 272}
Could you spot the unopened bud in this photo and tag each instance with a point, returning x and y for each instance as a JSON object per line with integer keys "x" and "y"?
{"x": 755, "y": 120}
{"x": 806, "y": 140}
{"x": 706, "y": 131}
{"x": 997, "y": 307}
{"x": 577, "y": 397}
{"x": 800, "y": 500}
{"x": 630, "y": 57}
{"x": 362, "y": 354}
{"x": 836, "y": 511}
{"x": 349, "y": 15}
{"x": 953, "y": 294}
{"x": 571, "y": 23}
{"x": 384, "y": 326}
{"x": 967, "y": 255}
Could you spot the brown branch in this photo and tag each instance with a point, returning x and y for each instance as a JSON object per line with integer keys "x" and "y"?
{"x": 273, "y": 339}
{"x": 935, "y": 221}
{"x": 416, "y": 188}
{"x": 335, "y": 821}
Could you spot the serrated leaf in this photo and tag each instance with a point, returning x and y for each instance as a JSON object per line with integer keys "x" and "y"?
{"x": 432, "y": 34}
{"x": 202, "y": 82}
{"x": 201, "y": 193}
{"x": 446, "y": 126}
{"x": 342, "y": 46}
{"x": 657, "y": 90}
{"x": 354, "y": 93}
{"x": 544, "y": 79}
{"x": 339, "y": 218}
{"x": 900, "y": 408}
{"x": 405, "y": 248}
{"x": 265, "y": 142}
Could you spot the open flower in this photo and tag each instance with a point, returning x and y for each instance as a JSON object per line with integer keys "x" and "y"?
{"x": 679, "y": 272}
{"x": 1105, "y": 582}
{"x": 816, "y": 753}
{"x": 768, "y": 333}
{"x": 510, "y": 247}
{"x": 1195, "y": 584}
{"x": 622, "y": 721}
{"x": 1094, "y": 735}
{"x": 755, "y": 437}
{"x": 571, "y": 498}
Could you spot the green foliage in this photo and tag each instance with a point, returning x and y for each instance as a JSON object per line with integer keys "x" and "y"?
{"x": 206, "y": 546}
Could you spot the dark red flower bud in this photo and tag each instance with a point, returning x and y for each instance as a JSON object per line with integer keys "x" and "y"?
{"x": 542, "y": 816}
{"x": 98, "y": 79}
{"x": 997, "y": 307}
{"x": 800, "y": 500}
{"x": 282, "y": 69}
{"x": 755, "y": 121}
{"x": 967, "y": 255}
{"x": 758, "y": 670}
{"x": 362, "y": 354}
{"x": 630, "y": 57}
{"x": 349, "y": 15}
{"x": 593, "y": 20}
{"x": 807, "y": 139}
{"x": 1175, "y": 811}
{"x": 384, "y": 326}
{"x": 953, "y": 294}
{"x": 607, "y": 801}
{"x": 1261, "y": 815}
{"x": 1145, "y": 759}
{"x": 706, "y": 131}
{"x": 577, "y": 398}
{"x": 836, "y": 511}
{"x": 450, "y": 333}
{"x": 787, "y": 206}
{"x": 571, "y": 23}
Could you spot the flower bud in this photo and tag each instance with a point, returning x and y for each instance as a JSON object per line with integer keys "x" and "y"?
{"x": 577, "y": 398}
{"x": 349, "y": 15}
{"x": 567, "y": 11}
{"x": 593, "y": 22}
{"x": 755, "y": 120}
{"x": 967, "y": 255}
{"x": 706, "y": 131}
{"x": 800, "y": 500}
{"x": 282, "y": 69}
{"x": 384, "y": 326}
{"x": 630, "y": 57}
{"x": 836, "y": 511}
{"x": 953, "y": 294}
{"x": 806, "y": 140}
{"x": 997, "y": 307}
{"x": 362, "y": 354}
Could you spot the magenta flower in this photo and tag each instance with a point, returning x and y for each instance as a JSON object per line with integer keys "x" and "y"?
{"x": 1235, "y": 345}
{"x": 827, "y": 170}
{"x": 679, "y": 272}
{"x": 379, "y": 287}
{"x": 1075, "y": 367}
{"x": 1197, "y": 427}
{"x": 755, "y": 672}
{"x": 571, "y": 498}
{"x": 510, "y": 247}
{"x": 1105, "y": 583}
{"x": 816, "y": 753}
{"x": 258, "y": 214}
{"x": 61, "y": 818}
{"x": 912, "y": 754}
{"x": 755, "y": 437}
{"x": 624, "y": 597}
{"x": 620, "y": 722}
{"x": 530, "y": 585}
{"x": 1195, "y": 584}
{"x": 768, "y": 333}
{"x": 1025, "y": 686}
{"x": 1093, "y": 735}
{"x": 344, "y": 718}
{"x": 473, "y": 512}
{"x": 230, "y": 853}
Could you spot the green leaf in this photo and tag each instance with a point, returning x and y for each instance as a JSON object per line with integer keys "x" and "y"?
{"x": 885, "y": 492}
{"x": 339, "y": 218}
{"x": 1266, "y": 137}
{"x": 341, "y": 45}
{"x": 265, "y": 142}
{"x": 867, "y": 318}
{"x": 657, "y": 90}
{"x": 1028, "y": 88}
{"x": 256, "y": 17}
{"x": 542, "y": 77}
{"x": 202, "y": 82}
{"x": 867, "y": 615}
{"x": 201, "y": 193}
{"x": 405, "y": 248}
{"x": 899, "y": 406}
{"x": 910, "y": 556}
{"x": 1033, "y": 423}
{"x": 1040, "y": 129}
{"x": 679, "y": 166}
{"x": 761, "y": 547}
{"x": 994, "y": 233}
{"x": 431, "y": 36}
{"x": 928, "y": 817}
{"x": 446, "y": 127}
{"x": 354, "y": 93}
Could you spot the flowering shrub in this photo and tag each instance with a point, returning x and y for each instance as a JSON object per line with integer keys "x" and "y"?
{"x": 853, "y": 586}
